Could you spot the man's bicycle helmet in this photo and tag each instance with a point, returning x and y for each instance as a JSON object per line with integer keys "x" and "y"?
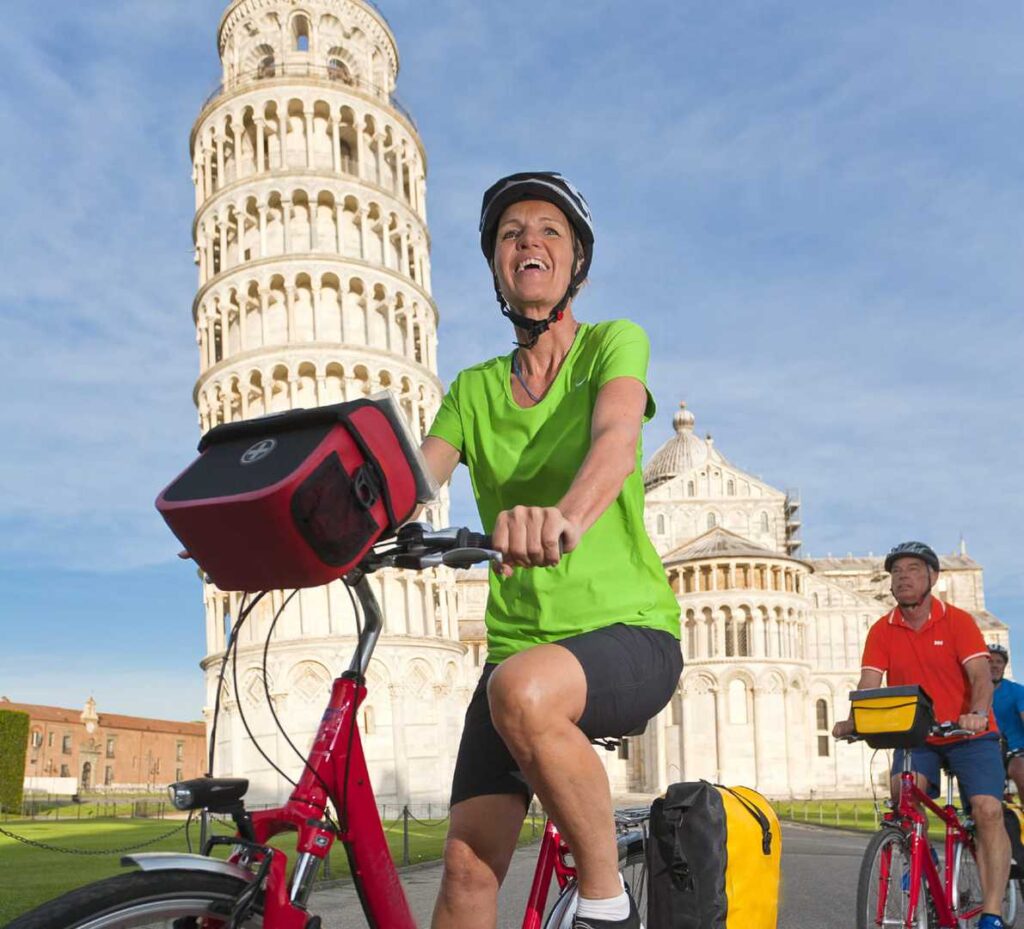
{"x": 996, "y": 649}
{"x": 552, "y": 188}
{"x": 913, "y": 550}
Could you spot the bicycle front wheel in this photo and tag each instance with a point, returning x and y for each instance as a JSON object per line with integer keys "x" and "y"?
{"x": 142, "y": 900}
{"x": 883, "y": 891}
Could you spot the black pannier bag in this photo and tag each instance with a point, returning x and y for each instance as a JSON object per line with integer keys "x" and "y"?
{"x": 296, "y": 499}
{"x": 713, "y": 858}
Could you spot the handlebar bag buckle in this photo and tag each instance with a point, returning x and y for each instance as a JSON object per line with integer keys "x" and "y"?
{"x": 892, "y": 717}
{"x": 295, "y": 499}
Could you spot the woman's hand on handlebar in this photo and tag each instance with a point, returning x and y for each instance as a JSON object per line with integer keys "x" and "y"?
{"x": 533, "y": 537}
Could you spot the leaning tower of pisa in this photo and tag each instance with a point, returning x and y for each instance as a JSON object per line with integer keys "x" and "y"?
{"x": 314, "y": 287}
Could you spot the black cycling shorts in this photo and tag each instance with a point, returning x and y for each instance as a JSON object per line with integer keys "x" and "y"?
{"x": 631, "y": 673}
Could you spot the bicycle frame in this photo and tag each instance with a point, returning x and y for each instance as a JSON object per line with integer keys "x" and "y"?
{"x": 908, "y": 816}
{"x": 336, "y": 770}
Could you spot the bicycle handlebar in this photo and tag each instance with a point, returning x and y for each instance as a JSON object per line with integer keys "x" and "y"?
{"x": 946, "y": 730}
{"x": 419, "y": 546}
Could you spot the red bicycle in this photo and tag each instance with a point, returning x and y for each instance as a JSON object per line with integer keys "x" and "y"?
{"x": 332, "y": 801}
{"x": 900, "y": 883}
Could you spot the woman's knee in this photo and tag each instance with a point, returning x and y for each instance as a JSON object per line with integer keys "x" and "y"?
{"x": 470, "y": 872}
{"x": 531, "y": 691}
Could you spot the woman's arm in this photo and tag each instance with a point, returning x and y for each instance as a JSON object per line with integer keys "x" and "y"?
{"x": 614, "y": 433}
{"x": 442, "y": 458}
{"x": 531, "y": 536}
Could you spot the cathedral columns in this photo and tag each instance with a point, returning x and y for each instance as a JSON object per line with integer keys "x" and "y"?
{"x": 397, "y": 692}
{"x": 757, "y": 631}
{"x": 720, "y": 719}
{"x": 760, "y": 731}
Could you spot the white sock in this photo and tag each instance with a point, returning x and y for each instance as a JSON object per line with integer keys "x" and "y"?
{"x": 611, "y": 908}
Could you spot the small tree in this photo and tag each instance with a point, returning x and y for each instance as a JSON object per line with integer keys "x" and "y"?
{"x": 13, "y": 747}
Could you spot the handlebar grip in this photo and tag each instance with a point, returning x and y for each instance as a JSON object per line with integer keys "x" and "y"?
{"x": 467, "y": 539}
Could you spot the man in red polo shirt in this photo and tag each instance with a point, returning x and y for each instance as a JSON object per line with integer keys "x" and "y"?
{"x": 939, "y": 647}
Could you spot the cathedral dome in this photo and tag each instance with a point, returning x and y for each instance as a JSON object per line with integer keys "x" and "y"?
{"x": 683, "y": 452}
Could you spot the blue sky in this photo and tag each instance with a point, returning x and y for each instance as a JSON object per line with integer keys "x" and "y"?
{"x": 815, "y": 211}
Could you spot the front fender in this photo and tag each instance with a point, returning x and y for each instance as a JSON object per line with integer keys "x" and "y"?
{"x": 179, "y": 861}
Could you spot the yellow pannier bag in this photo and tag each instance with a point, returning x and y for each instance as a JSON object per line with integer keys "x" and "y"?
{"x": 1013, "y": 820}
{"x": 713, "y": 859}
{"x": 892, "y": 717}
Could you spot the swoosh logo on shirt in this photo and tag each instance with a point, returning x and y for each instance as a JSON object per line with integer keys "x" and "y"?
{"x": 579, "y": 383}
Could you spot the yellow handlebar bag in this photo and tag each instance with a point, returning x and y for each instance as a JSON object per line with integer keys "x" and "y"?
{"x": 892, "y": 717}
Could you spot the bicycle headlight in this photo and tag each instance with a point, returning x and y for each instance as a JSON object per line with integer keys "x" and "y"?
{"x": 182, "y": 797}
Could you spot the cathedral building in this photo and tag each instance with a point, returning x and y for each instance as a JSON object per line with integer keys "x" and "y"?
{"x": 313, "y": 254}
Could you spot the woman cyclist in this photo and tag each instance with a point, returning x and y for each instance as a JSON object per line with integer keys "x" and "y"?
{"x": 582, "y": 626}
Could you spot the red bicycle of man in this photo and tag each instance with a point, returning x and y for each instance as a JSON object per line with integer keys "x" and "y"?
{"x": 900, "y": 883}
{"x": 332, "y": 801}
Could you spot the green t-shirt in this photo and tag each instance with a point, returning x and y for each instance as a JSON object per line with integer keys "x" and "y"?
{"x": 530, "y": 457}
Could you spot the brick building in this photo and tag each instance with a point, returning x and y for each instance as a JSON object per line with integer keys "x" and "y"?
{"x": 108, "y": 749}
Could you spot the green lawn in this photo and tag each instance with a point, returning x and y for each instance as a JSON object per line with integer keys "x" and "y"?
{"x": 29, "y": 876}
{"x": 846, "y": 814}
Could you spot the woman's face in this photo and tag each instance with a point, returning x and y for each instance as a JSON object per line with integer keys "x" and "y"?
{"x": 533, "y": 255}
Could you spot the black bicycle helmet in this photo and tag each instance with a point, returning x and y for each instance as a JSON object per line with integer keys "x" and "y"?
{"x": 552, "y": 188}
{"x": 913, "y": 550}
{"x": 995, "y": 648}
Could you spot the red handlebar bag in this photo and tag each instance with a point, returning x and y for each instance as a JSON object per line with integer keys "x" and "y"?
{"x": 293, "y": 499}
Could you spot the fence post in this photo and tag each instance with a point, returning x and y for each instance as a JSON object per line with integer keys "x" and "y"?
{"x": 837, "y": 812}
{"x": 405, "y": 834}
{"x": 856, "y": 816}
{"x": 821, "y": 812}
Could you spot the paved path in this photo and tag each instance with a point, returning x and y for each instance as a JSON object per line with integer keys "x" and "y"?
{"x": 819, "y": 884}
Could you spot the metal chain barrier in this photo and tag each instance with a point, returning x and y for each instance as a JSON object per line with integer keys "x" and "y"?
{"x": 83, "y": 851}
{"x": 429, "y": 824}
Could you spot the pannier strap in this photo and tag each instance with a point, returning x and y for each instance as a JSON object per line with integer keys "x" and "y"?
{"x": 762, "y": 820}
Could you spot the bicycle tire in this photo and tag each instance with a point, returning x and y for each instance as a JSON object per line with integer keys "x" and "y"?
{"x": 892, "y": 844}
{"x": 141, "y": 900}
{"x": 966, "y": 874}
{"x": 632, "y": 867}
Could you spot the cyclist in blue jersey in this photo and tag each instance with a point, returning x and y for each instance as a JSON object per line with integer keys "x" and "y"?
{"x": 1008, "y": 705}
